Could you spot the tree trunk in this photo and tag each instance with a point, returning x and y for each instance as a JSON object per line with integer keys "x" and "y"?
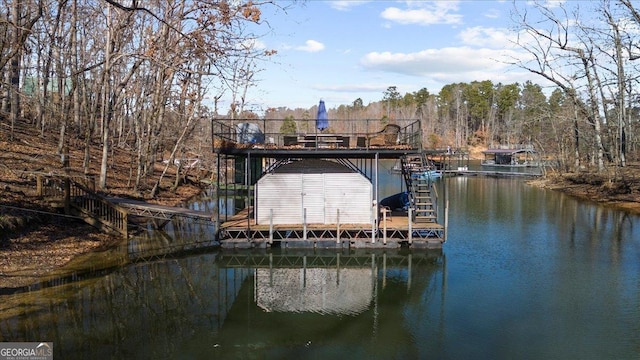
{"x": 106, "y": 103}
{"x": 14, "y": 66}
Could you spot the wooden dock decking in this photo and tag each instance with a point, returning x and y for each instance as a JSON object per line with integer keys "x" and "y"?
{"x": 241, "y": 231}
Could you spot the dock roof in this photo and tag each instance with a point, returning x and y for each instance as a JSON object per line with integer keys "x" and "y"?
{"x": 509, "y": 151}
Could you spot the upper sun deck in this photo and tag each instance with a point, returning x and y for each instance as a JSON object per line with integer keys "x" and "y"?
{"x": 285, "y": 138}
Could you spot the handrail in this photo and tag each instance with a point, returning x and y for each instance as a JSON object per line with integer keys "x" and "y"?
{"x": 97, "y": 209}
{"x": 434, "y": 189}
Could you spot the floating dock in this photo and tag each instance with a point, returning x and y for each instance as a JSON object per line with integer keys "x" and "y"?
{"x": 393, "y": 231}
{"x": 320, "y": 190}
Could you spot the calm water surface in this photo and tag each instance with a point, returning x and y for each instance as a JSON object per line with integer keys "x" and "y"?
{"x": 525, "y": 274}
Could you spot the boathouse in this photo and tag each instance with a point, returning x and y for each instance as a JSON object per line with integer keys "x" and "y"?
{"x": 510, "y": 156}
{"x": 311, "y": 188}
{"x": 313, "y": 191}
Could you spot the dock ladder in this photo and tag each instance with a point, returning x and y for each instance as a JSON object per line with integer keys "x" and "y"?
{"x": 422, "y": 193}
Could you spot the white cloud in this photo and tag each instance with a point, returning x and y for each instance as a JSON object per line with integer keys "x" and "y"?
{"x": 254, "y": 44}
{"x": 629, "y": 25}
{"x": 546, "y": 3}
{"x": 311, "y": 46}
{"x": 430, "y": 62}
{"x": 346, "y": 5}
{"x": 353, "y": 87}
{"x": 491, "y": 14}
{"x": 487, "y": 37}
{"x": 425, "y": 13}
{"x": 554, "y": 3}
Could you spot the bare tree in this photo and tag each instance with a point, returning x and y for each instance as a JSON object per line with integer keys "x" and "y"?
{"x": 17, "y": 29}
{"x": 569, "y": 64}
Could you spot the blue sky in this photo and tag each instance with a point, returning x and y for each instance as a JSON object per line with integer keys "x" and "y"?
{"x": 343, "y": 50}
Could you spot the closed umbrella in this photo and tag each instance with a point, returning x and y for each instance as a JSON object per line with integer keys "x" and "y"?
{"x": 322, "y": 121}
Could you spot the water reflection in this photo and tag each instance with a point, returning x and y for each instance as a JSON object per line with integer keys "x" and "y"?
{"x": 227, "y": 304}
{"x": 142, "y": 310}
{"x": 318, "y": 304}
{"x": 324, "y": 291}
{"x": 540, "y": 265}
{"x": 177, "y": 236}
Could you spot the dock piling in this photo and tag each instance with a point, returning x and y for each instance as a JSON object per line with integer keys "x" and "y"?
{"x": 270, "y": 226}
{"x": 338, "y": 226}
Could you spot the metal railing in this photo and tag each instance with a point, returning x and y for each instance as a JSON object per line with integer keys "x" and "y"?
{"x": 288, "y": 132}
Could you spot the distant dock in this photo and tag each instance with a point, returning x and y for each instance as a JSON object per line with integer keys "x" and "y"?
{"x": 493, "y": 173}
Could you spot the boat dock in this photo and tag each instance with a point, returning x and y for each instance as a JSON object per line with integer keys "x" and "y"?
{"x": 320, "y": 189}
{"x": 495, "y": 173}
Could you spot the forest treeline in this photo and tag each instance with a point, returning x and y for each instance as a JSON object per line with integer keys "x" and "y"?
{"x": 146, "y": 77}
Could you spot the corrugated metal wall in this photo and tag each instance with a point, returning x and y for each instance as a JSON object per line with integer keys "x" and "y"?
{"x": 352, "y": 194}
{"x": 322, "y": 194}
{"x": 313, "y": 191}
{"x": 283, "y": 194}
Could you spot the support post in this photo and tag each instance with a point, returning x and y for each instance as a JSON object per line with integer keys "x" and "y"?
{"x": 374, "y": 221}
{"x": 247, "y": 177}
{"x": 270, "y": 226}
{"x": 304, "y": 224}
{"x": 409, "y": 214}
{"x": 338, "y": 226}
{"x": 377, "y": 205}
{"x": 446, "y": 220}
{"x": 384, "y": 227}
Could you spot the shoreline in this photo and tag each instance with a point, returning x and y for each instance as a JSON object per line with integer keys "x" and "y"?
{"x": 41, "y": 245}
{"x": 589, "y": 192}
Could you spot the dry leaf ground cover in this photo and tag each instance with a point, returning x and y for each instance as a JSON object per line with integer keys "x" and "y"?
{"x": 33, "y": 241}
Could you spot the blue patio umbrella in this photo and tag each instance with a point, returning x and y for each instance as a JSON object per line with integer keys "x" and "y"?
{"x": 322, "y": 121}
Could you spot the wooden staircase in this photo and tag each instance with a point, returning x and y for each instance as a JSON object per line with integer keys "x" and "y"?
{"x": 422, "y": 193}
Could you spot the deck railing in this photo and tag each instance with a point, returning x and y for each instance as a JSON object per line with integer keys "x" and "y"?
{"x": 97, "y": 208}
{"x": 287, "y": 132}
{"x": 511, "y": 146}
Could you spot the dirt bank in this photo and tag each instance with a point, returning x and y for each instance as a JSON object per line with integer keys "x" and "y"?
{"x": 623, "y": 192}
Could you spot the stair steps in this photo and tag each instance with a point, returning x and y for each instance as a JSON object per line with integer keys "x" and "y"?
{"x": 420, "y": 191}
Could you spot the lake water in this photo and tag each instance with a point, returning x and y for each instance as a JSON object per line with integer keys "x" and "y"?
{"x": 525, "y": 273}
